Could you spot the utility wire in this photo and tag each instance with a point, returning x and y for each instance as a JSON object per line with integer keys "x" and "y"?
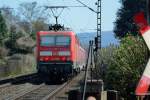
{"x": 4, "y": 8}
{"x": 62, "y": 6}
{"x": 86, "y": 6}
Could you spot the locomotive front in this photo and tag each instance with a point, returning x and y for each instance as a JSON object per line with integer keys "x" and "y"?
{"x": 54, "y": 53}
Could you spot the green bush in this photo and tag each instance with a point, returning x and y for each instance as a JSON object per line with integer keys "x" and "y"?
{"x": 127, "y": 65}
{"x": 122, "y": 68}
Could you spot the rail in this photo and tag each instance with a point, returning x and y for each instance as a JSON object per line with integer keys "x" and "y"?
{"x": 17, "y": 78}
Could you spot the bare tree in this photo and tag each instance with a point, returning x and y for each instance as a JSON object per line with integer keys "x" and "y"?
{"x": 30, "y": 12}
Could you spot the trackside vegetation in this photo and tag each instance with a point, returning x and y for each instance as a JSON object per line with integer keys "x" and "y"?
{"x": 122, "y": 66}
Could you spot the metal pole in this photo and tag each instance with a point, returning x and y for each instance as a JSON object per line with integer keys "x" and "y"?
{"x": 99, "y": 23}
{"x": 91, "y": 64}
{"x": 86, "y": 72}
{"x": 102, "y": 86}
{"x": 98, "y": 40}
{"x": 56, "y": 20}
{"x": 148, "y": 10}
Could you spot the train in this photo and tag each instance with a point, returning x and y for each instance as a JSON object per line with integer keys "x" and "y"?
{"x": 59, "y": 54}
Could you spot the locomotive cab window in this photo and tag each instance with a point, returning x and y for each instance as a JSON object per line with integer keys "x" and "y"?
{"x": 55, "y": 40}
{"x": 47, "y": 40}
{"x": 63, "y": 40}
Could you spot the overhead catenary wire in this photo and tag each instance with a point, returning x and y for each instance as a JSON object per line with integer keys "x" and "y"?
{"x": 4, "y": 8}
{"x": 72, "y": 6}
{"x": 52, "y": 8}
{"x": 55, "y": 14}
{"x": 86, "y": 6}
{"x": 63, "y": 6}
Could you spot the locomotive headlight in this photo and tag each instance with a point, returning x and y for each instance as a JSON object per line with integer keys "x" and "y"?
{"x": 64, "y": 53}
{"x": 45, "y": 53}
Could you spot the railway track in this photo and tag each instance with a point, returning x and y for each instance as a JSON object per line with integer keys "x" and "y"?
{"x": 18, "y": 78}
{"x": 27, "y": 91}
{"x": 50, "y": 92}
{"x": 11, "y": 91}
{"x": 38, "y": 93}
{"x": 10, "y": 87}
{"x": 61, "y": 93}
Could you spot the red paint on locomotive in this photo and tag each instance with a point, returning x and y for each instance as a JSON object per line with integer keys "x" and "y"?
{"x": 71, "y": 51}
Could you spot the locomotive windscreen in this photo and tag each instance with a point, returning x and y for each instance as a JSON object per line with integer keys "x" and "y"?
{"x": 51, "y": 40}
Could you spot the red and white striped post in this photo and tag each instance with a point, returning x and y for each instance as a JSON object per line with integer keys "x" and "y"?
{"x": 144, "y": 83}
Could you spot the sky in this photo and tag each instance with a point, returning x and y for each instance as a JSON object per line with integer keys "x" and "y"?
{"x": 78, "y": 19}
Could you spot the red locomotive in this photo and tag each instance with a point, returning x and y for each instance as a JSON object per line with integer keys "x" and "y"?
{"x": 59, "y": 53}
